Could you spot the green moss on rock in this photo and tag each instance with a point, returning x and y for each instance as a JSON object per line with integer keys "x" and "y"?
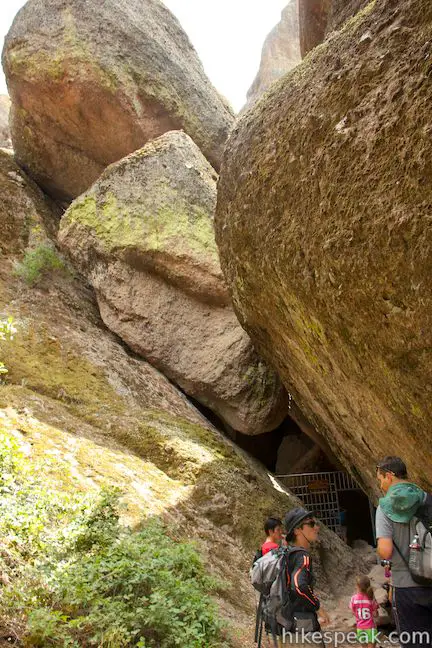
{"x": 168, "y": 225}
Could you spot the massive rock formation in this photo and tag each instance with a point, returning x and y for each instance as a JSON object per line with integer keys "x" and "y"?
{"x": 5, "y": 140}
{"x": 143, "y": 235}
{"x": 325, "y": 234}
{"x": 321, "y": 17}
{"x": 280, "y": 52}
{"x": 91, "y": 83}
{"x": 73, "y": 392}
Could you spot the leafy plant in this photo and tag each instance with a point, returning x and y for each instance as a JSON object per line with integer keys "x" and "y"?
{"x": 37, "y": 262}
{"x": 78, "y": 577}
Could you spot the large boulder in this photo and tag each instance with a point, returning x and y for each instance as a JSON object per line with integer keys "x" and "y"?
{"x": 91, "y": 83}
{"x": 5, "y": 140}
{"x": 280, "y": 52}
{"x": 325, "y": 234}
{"x": 143, "y": 236}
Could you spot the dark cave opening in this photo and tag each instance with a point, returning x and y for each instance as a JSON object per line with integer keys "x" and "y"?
{"x": 288, "y": 450}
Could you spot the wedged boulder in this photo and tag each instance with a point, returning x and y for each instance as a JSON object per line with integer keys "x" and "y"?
{"x": 280, "y": 52}
{"x": 324, "y": 228}
{"x": 5, "y": 140}
{"x": 143, "y": 236}
{"x": 23, "y": 207}
{"x": 91, "y": 83}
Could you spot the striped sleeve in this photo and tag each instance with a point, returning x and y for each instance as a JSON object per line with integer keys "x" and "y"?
{"x": 302, "y": 582}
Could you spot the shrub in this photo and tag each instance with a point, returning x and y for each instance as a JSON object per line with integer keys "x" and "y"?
{"x": 80, "y": 578}
{"x": 37, "y": 262}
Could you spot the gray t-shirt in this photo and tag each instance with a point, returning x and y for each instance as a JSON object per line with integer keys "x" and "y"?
{"x": 402, "y": 534}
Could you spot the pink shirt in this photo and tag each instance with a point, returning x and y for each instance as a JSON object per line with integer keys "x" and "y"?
{"x": 363, "y": 609}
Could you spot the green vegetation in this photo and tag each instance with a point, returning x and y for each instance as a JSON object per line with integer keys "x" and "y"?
{"x": 74, "y": 576}
{"x": 7, "y": 331}
{"x": 37, "y": 262}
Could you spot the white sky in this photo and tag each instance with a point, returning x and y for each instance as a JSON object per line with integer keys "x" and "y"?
{"x": 227, "y": 34}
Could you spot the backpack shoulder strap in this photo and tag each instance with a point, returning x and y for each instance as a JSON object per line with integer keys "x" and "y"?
{"x": 424, "y": 512}
{"x": 401, "y": 554}
{"x": 412, "y": 531}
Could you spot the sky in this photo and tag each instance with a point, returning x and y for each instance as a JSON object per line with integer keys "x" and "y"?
{"x": 227, "y": 34}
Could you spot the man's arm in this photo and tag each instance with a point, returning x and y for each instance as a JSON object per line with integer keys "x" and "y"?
{"x": 385, "y": 548}
{"x": 384, "y": 533}
{"x": 301, "y": 581}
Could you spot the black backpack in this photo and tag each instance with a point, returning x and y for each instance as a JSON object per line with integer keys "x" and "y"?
{"x": 257, "y": 556}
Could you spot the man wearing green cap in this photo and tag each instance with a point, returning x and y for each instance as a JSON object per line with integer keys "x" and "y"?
{"x": 412, "y": 604}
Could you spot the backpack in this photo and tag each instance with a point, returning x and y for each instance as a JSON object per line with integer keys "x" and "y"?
{"x": 419, "y": 561}
{"x": 271, "y": 578}
{"x": 257, "y": 556}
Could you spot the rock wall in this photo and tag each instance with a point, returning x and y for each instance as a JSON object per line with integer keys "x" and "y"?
{"x": 280, "y": 52}
{"x": 343, "y": 10}
{"x": 24, "y": 210}
{"x": 91, "y": 83}
{"x": 5, "y": 140}
{"x": 313, "y": 16}
{"x": 324, "y": 230}
{"x": 319, "y": 18}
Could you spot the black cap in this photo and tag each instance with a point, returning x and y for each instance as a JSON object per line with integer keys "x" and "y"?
{"x": 294, "y": 517}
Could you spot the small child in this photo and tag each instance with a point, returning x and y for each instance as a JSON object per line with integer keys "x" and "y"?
{"x": 364, "y": 607}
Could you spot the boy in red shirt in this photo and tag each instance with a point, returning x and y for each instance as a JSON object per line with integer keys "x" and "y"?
{"x": 273, "y": 531}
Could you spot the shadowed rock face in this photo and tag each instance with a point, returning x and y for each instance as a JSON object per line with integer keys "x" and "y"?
{"x": 280, "y": 52}
{"x": 5, "y": 140}
{"x": 143, "y": 235}
{"x": 321, "y": 17}
{"x": 324, "y": 230}
{"x": 23, "y": 207}
{"x": 313, "y": 22}
{"x": 343, "y": 10}
{"x": 91, "y": 83}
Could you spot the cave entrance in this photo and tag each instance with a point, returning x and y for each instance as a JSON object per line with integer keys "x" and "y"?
{"x": 302, "y": 460}
{"x": 337, "y": 500}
